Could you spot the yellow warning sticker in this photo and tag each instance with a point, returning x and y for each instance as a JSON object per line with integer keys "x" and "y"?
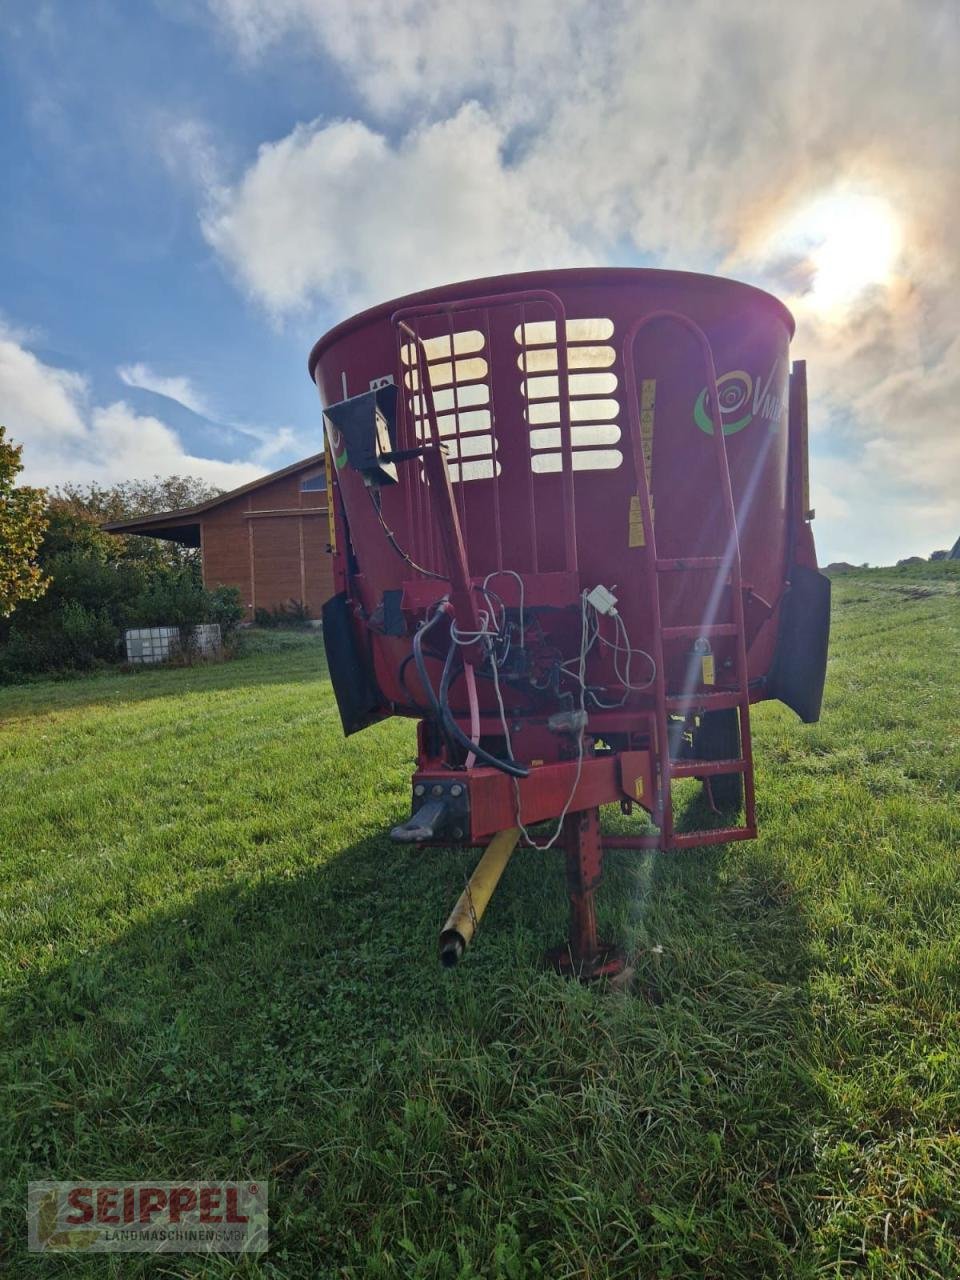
{"x": 329, "y": 471}
{"x": 648, "y": 408}
{"x": 636, "y": 536}
{"x": 707, "y": 669}
{"x": 638, "y": 788}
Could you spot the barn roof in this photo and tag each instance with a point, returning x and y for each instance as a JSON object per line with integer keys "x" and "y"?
{"x": 183, "y": 526}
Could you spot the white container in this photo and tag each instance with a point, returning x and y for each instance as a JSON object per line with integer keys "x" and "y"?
{"x": 160, "y": 644}
{"x": 152, "y": 644}
{"x": 207, "y": 641}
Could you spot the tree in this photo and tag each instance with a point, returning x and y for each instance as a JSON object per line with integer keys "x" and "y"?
{"x": 95, "y": 504}
{"x": 99, "y": 584}
{"x": 22, "y": 524}
{"x": 132, "y": 498}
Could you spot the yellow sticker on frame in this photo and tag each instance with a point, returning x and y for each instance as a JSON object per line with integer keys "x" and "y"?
{"x": 636, "y": 536}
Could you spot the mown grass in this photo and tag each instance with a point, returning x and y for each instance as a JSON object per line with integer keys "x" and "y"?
{"x": 215, "y": 964}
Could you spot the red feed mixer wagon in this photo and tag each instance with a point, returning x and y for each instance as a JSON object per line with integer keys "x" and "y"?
{"x": 547, "y": 553}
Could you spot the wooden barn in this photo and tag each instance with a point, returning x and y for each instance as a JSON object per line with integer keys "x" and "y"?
{"x": 269, "y": 538}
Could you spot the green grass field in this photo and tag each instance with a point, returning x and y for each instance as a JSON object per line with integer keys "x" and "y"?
{"x": 215, "y": 964}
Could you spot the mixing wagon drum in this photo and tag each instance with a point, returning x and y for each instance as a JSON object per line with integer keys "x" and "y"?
{"x": 570, "y": 527}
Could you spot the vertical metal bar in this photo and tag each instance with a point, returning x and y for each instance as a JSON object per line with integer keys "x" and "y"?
{"x": 584, "y": 956}
{"x": 494, "y": 442}
{"x": 798, "y": 469}
{"x": 418, "y": 420}
{"x": 461, "y": 500}
{"x": 534, "y": 550}
{"x": 424, "y": 424}
{"x": 736, "y": 584}
{"x": 664, "y": 809}
{"x": 584, "y": 855}
{"x": 420, "y": 430}
{"x": 454, "y": 552}
{"x": 429, "y": 428}
{"x": 566, "y": 442}
{"x": 407, "y": 439}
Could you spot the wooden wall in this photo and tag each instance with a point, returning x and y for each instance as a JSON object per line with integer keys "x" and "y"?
{"x": 272, "y": 544}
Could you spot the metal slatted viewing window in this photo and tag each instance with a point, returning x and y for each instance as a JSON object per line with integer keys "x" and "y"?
{"x": 593, "y": 408}
{"x": 459, "y": 378}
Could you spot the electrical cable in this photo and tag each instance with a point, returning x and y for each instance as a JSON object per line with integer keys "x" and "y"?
{"x": 510, "y": 573}
{"x": 584, "y": 647}
{"x": 628, "y": 650}
{"x": 428, "y": 573}
{"x": 622, "y": 677}
{"x": 505, "y": 766}
{"x": 418, "y": 635}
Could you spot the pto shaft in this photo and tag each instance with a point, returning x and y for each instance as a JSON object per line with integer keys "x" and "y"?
{"x": 466, "y": 915}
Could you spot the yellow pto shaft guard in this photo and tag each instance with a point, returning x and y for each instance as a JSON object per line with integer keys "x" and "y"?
{"x": 466, "y": 915}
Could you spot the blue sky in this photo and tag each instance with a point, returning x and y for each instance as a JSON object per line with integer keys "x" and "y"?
{"x": 101, "y": 253}
{"x": 187, "y": 206}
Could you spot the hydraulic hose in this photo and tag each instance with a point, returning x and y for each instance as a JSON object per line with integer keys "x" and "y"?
{"x": 505, "y": 766}
{"x": 425, "y": 679}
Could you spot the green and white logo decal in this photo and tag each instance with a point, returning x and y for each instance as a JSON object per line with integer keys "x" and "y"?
{"x": 338, "y": 445}
{"x": 742, "y": 398}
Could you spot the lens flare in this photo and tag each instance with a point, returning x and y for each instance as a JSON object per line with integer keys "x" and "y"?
{"x": 852, "y": 242}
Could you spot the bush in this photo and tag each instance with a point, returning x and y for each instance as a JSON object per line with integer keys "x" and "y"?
{"x": 81, "y": 621}
{"x": 292, "y": 614}
{"x": 70, "y": 637}
{"x": 88, "y": 635}
{"x": 224, "y": 607}
{"x": 173, "y": 599}
{"x": 100, "y": 585}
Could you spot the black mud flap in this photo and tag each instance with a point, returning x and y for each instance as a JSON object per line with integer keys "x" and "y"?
{"x": 800, "y": 661}
{"x": 351, "y": 672}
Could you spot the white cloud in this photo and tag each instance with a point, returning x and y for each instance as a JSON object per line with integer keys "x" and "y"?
{"x": 188, "y": 149}
{"x": 865, "y": 514}
{"x": 137, "y": 446}
{"x": 35, "y": 399}
{"x": 408, "y": 52}
{"x": 336, "y": 210}
{"x": 280, "y": 444}
{"x": 692, "y": 135}
{"x": 65, "y": 437}
{"x": 176, "y": 387}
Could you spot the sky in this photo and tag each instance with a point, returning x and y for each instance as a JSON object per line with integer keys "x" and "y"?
{"x": 194, "y": 190}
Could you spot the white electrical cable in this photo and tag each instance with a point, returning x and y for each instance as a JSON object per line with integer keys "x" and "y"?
{"x": 510, "y": 573}
{"x": 589, "y": 636}
{"x": 584, "y": 647}
{"x": 471, "y": 637}
{"x": 628, "y": 650}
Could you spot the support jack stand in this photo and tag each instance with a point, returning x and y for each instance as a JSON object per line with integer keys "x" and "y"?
{"x": 584, "y": 956}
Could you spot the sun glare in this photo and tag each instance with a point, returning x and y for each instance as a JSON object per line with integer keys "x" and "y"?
{"x": 851, "y": 243}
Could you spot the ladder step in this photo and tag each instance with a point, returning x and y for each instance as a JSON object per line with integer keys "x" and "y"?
{"x": 706, "y": 768}
{"x": 693, "y": 631}
{"x": 690, "y": 562}
{"x": 703, "y": 701}
{"x": 720, "y": 835}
